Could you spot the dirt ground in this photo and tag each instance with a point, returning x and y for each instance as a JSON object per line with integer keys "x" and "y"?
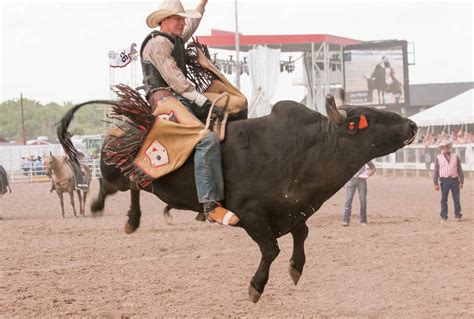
{"x": 404, "y": 264}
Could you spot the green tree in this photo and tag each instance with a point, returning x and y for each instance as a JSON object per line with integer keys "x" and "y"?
{"x": 40, "y": 120}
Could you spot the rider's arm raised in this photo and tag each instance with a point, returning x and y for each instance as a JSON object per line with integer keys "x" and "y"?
{"x": 193, "y": 24}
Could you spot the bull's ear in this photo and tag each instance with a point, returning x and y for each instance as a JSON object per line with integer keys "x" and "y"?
{"x": 363, "y": 122}
{"x": 333, "y": 113}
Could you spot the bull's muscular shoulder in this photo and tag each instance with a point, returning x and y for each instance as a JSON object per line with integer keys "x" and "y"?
{"x": 292, "y": 111}
{"x": 285, "y": 116}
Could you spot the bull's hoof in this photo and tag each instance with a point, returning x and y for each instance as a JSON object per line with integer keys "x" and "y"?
{"x": 201, "y": 217}
{"x": 294, "y": 274}
{"x": 129, "y": 229}
{"x": 254, "y": 294}
{"x": 97, "y": 206}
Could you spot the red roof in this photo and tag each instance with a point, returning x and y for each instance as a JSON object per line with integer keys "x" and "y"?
{"x": 287, "y": 43}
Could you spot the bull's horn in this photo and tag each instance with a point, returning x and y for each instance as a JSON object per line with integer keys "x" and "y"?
{"x": 341, "y": 96}
{"x": 333, "y": 113}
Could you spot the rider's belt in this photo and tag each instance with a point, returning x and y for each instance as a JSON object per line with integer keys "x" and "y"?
{"x": 157, "y": 94}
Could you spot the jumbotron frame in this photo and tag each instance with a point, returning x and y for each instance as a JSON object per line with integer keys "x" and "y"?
{"x": 319, "y": 50}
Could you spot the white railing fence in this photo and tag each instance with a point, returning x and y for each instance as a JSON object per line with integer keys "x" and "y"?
{"x": 406, "y": 161}
{"x": 410, "y": 160}
{"x": 39, "y": 175}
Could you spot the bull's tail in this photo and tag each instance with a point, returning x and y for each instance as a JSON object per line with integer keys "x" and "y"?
{"x": 130, "y": 104}
{"x": 64, "y": 136}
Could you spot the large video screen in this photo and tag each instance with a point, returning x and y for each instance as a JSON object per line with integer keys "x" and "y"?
{"x": 376, "y": 73}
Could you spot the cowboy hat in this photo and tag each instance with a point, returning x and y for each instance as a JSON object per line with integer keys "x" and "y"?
{"x": 167, "y": 9}
{"x": 445, "y": 142}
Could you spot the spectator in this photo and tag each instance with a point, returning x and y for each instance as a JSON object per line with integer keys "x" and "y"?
{"x": 38, "y": 166}
{"x": 429, "y": 139}
{"x": 427, "y": 158}
{"x": 449, "y": 172}
{"x": 26, "y": 165}
{"x": 359, "y": 183}
{"x": 469, "y": 137}
{"x": 454, "y": 136}
{"x": 441, "y": 137}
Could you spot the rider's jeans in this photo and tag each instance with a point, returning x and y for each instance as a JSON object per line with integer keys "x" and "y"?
{"x": 208, "y": 169}
{"x": 207, "y": 166}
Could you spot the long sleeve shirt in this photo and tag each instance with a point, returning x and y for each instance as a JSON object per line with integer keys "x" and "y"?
{"x": 448, "y": 165}
{"x": 158, "y": 51}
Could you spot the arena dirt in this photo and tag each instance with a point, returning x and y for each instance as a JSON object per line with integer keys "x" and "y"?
{"x": 404, "y": 264}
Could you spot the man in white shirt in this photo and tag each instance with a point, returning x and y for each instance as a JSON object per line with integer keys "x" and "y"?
{"x": 449, "y": 174}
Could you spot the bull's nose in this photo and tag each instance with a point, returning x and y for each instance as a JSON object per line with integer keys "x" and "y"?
{"x": 412, "y": 129}
{"x": 413, "y": 126}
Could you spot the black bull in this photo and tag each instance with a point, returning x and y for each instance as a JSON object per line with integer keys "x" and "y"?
{"x": 4, "y": 183}
{"x": 279, "y": 170}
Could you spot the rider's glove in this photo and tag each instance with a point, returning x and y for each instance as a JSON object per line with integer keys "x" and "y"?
{"x": 202, "y": 111}
{"x": 217, "y": 113}
{"x": 200, "y": 100}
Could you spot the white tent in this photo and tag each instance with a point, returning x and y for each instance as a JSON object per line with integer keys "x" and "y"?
{"x": 455, "y": 111}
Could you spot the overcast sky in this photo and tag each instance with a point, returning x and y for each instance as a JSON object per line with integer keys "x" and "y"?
{"x": 57, "y": 51}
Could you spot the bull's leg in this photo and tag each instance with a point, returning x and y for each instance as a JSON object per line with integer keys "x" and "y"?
{"x": 71, "y": 196}
{"x": 61, "y": 201}
{"x": 134, "y": 213}
{"x": 261, "y": 233}
{"x": 105, "y": 188}
{"x": 298, "y": 259}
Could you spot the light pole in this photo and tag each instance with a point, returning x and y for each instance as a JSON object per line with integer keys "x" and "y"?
{"x": 112, "y": 55}
{"x": 22, "y": 119}
{"x": 237, "y": 45}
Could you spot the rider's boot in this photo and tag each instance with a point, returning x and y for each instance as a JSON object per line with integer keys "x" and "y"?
{"x": 216, "y": 213}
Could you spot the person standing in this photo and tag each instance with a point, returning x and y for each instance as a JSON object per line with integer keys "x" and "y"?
{"x": 38, "y": 166}
{"x": 26, "y": 165}
{"x": 449, "y": 175}
{"x": 427, "y": 158}
{"x": 358, "y": 182}
{"x": 164, "y": 69}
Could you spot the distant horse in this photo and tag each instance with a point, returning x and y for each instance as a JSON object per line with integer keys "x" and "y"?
{"x": 63, "y": 179}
